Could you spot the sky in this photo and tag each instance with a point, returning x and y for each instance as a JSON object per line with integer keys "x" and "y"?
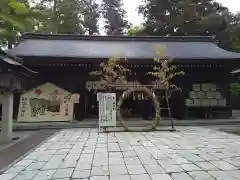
{"x": 136, "y": 19}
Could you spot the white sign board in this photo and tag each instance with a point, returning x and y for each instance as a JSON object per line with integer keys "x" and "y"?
{"x": 46, "y": 102}
{"x": 107, "y": 109}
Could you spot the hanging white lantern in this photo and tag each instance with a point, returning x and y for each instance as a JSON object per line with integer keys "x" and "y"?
{"x": 123, "y": 95}
{"x": 146, "y": 97}
{"x": 154, "y": 94}
{"x": 134, "y": 97}
{"x": 89, "y": 85}
{"x": 139, "y": 96}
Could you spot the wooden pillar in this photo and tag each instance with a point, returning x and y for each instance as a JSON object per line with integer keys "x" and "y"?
{"x": 7, "y": 117}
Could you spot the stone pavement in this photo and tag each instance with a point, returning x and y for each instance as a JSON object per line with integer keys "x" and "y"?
{"x": 11, "y": 152}
{"x": 21, "y": 135}
{"x": 191, "y": 153}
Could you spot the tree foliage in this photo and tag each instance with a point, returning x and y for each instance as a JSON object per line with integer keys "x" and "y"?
{"x": 68, "y": 16}
{"x": 47, "y": 16}
{"x": 91, "y": 15}
{"x": 187, "y": 17}
{"x": 115, "y": 17}
{"x": 164, "y": 72}
{"x": 235, "y": 95}
{"x": 64, "y": 16}
{"x": 112, "y": 72}
{"x": 134, "y": 31}
{"x": 235, "y": 88}
{"x": 235, "y": 32}
{"x": 182, "y": 17}
{"x": 16, "y": 17}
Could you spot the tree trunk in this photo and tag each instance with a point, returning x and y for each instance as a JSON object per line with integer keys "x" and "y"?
{"x": 10, "y": 43}
{"x": 54, "y": 17}
{"x": 169, "y": 110}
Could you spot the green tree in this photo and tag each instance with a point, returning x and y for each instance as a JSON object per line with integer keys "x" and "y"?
{"x": 164, "y": 72}
{"x": 64, "y": 16}
{"x": 68, "y": 13}
{"x": 135, "y": 31}
{"x": 235, "y": 28}
{"x": 115, "y": 17}
{"x": 187, "y": 17}
{"x": 70, "y": 16}
{"x": 15, "y": 17}
{"x": 235, "y": 95}
{"x": 91, "y": 15}
{"x": 49, "y": 24}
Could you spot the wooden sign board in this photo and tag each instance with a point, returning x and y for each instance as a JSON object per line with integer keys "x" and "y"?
{"x": 210, "y": 95}
{"x": 196, "y": 87}
{"x": 209, "y": 87}
{"x": 189, "y": 102}
{"x": 217, "y": 95}
{"x": 214, "y": 102}
{"x": 205, "y": 102}
{"x": 197, "y": 102}
{"x": 47, "y": 102}
{"x": 213, "y": 87}
{"x": 193, "y": 94}
{"x": 201, "y": 94}
{"x": 222, "y": 102}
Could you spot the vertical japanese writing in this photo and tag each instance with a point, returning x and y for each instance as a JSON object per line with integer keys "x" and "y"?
{"x": 66, "y": 110}
{"x": 107, "y": 108}
{"x": 23, "y": 106}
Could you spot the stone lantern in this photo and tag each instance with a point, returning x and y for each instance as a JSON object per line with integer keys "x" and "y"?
{"x": 12, "y": 75}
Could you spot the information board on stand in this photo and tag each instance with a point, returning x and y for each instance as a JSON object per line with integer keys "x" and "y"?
{"x": 107, "y": 110}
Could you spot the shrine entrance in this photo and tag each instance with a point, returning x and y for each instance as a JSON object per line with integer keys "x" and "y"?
{"x": 134, "y": 106}
{"x": 137, "y": 105}
{"x": 91, "y": 105}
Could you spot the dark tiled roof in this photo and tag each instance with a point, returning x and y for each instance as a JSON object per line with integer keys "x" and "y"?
{"x": 42, "y": 45}
{"x": 9, "y": 59}
{"x": 14, "y": 61}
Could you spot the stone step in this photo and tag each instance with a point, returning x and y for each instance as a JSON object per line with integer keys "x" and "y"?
{"x": 92, "y": 123}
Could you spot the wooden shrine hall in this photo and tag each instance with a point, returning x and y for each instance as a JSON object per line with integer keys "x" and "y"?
{"x": 67, "y": 60}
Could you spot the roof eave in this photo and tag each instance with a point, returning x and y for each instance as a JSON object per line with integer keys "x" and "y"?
{"x": 116, "y": 37}
{"x": 16, "y": 63}
{"x": 133, "y": 58}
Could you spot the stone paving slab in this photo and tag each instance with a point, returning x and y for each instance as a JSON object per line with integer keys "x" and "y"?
{"x": 12, "y": 152}
{"x": 191, "y": 153}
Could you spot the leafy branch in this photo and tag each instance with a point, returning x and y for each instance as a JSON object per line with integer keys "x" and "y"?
{"x": 112, "y": 72}
{"x": 164, "y": 72}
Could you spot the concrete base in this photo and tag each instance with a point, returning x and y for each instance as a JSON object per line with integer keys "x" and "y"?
{"x": 7, "y": 117}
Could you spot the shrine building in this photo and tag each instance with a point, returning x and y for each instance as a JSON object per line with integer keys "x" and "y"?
{"x": 67, "y": 60}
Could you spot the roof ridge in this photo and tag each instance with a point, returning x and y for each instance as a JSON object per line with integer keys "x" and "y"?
{"x": 117, "y": 38}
